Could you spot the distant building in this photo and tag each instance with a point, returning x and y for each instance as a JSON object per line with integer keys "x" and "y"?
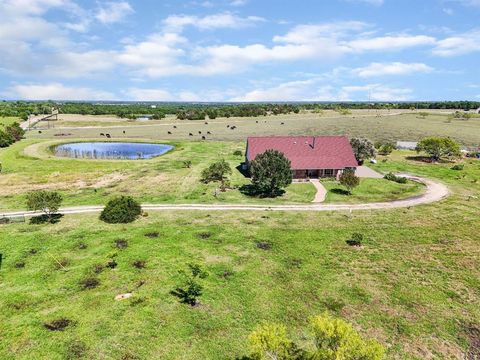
{"x": 406, "y": 145}
{"x": 310, "y": 156}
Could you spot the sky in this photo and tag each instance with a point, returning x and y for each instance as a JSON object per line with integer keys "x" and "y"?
{"x": 240, "y": 50}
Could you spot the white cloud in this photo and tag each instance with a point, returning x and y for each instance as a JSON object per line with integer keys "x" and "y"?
{"x": 56, "y": 91}
{"x": 176, "y": 23}
{"x": 374, "y": 92}
{"x": 369, "y": 2}
{"x": 136, "y": 94}
{"x": 394, "y": 42}
{"x": 394, "y": 68}
{"x": 460, "y": 44}
{"x": 113, "y": 12}
{"x": 238, "y": 2}
{"x": 473, "y": 3}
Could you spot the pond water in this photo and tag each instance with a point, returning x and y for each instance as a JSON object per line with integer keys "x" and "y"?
{"x": 111, "y": 150}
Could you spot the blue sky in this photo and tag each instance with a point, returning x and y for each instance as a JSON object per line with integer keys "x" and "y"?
{"x": 240, "y": 50}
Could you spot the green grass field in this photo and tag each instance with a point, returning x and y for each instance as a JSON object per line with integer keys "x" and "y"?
{"x": 377, "y": 125}
{"x": 414, "y": 285}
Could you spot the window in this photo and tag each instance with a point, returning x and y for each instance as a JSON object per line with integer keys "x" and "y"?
{"x": 328, "y": 172}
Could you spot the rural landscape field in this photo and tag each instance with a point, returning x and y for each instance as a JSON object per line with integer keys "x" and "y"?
{"x": 239, "y": 179}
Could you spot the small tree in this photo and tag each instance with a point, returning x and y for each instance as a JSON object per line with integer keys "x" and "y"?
{"x": 47, "y": 202}
{"x": 121, "y": 210}
{"x": 363, "y": 149}
{"x": 439, "y": 147}
{"x": 190, "y": 289}
{"x": 386, "y": 149}
{"x": 217, "y": 171}
{"x": 15, "y": 131}
{"x": 271, "y": 172}
{"x": 271, "y": 341}
{"x": 349, "y": 180}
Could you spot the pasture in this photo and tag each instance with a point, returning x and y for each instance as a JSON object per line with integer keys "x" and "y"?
{"x": 377, "y": 125}
{"x": 413, "y": 285}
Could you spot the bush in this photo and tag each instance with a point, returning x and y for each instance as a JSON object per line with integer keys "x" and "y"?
{"x": 332, "y": 339}
{"x": 271, "y": 172}
{"x": 237, "y": 153}
{"x": 121, "y": 210}
{"x": 458, "y": 167}
{"x": 190, "y": 289}
{"x": 397, "y": 179}
{"x": 217, "y": 171}
{"x": 349, "y": 180}
{"x": 355, "y": 240}
{"x": 46, "y": 201}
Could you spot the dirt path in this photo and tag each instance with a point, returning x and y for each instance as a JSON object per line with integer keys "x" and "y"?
{"x": 435, "y": 192}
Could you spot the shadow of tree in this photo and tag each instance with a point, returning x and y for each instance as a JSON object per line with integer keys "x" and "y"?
{"x": 44, "y": 219}
{"x": 340, "y": 191}
{"x": 240, "y": 168}
{"x": 253, "y": 191}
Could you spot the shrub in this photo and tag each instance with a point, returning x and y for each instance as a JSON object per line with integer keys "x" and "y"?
{"x": 398, "y": 179}
{"x": 458, "y": 167}
{"x": 89, "y": 283}
{"x": 349, "y": 180}
{"x": 46, "y": 201}
{"x": 121, "y": 210}
{"x": 355, "y": 240}
{"x": 386, "y": 149}
{"x": 237, "y": 153}
{"x": 332, "y": 339}
{"x": 190, "y": 289}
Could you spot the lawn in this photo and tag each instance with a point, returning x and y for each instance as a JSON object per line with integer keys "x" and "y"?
{"x": 414, "y": 285}
{"x": 377, "y": 125}
{"x": 372, "y": 190}
{"x": 4, "y": 121}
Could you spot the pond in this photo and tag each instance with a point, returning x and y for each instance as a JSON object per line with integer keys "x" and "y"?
{"x": 111, "y": 150}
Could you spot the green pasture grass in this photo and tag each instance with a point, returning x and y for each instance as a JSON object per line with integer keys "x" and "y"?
{"x": 8, "y": 120}
{"x": 413, "y": 285}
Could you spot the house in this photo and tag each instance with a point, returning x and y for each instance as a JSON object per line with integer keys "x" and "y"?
{"x": 478, "y": 111}
{"x": 310, "y": 156}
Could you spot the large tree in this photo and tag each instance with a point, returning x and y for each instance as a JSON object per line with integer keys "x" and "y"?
{"x": 363, "y": 149}
{"x": 439, "y": 147}
{"x": 217, "y": 171}
{"x": 271, "y": 172}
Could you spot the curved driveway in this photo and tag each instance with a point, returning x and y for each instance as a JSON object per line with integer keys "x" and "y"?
{"x": 435, "y": 192}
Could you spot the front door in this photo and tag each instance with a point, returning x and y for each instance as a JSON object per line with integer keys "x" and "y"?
{"x": 312, "y": 174}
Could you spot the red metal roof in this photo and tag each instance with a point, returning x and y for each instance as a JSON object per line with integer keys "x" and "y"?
{"x": 307, "y": 152}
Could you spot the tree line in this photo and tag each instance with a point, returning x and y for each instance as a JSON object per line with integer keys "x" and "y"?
{"x": 195, "y": 111}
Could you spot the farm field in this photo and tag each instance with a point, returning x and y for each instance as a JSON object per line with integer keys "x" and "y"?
{"x": 377, "y": 125}
{"x": 413, "y": 285}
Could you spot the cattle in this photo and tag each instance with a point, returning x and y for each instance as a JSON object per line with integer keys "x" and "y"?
{"x": 282, "y": 123}
{"x": 108, "y": 136}
{"x": 200, "y": 132}
{"x": 174, "y": 127}
{"x": 209, "y": 133}
{"x": 39, "y": 131}
{"x": 169, "y": 133}
{"x": 190, "y": 134}
{"x": 124, "y": 131}
{"x": 256, "y": 121}
{"x": 204, "y": 138}
{"x": 228, "y": 126}
{"x": 206, "y": 122}
{"x": 102, "y": 134}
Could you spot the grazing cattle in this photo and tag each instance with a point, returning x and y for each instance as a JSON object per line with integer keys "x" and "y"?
{"x": 39, "y": 131}
{"x": 256, "y": 121}
{"x": 174, "y": 127}
{"x": 169, "y": 133}
{"x": 124, "y": 131}
{"x": 108, "y": 136}
{"x": 200, "y": 132}
{"x": 282, "y": 123}
{"x": 209, "y": 133}
{"x": 233, "y": 127}
{"x": 206, "y": 122}
{"x": 190, "y": 134}
{"x": 228, "y": 126}
{"x": 204, "y": 138}
{"x": 102, "y": 134}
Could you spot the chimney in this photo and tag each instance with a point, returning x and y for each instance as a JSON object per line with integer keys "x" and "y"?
{"x": 313, "y": 142}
